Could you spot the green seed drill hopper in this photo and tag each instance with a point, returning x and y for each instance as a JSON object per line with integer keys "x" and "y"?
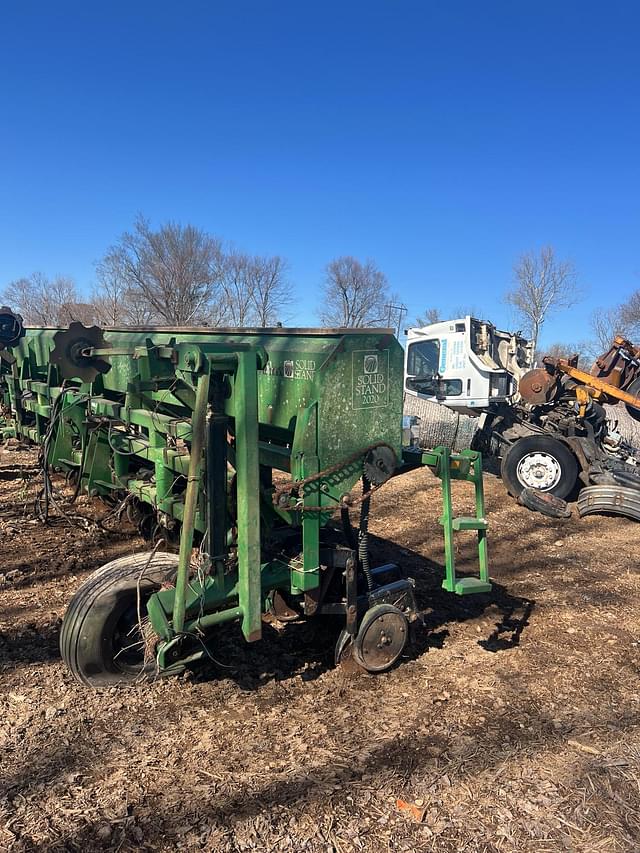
{"x": 249, "y": 450}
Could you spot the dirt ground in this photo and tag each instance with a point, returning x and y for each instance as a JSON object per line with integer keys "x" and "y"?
{"x": 513, "y": 723}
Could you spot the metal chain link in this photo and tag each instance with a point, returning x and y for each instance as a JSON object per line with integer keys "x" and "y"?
{"x": 292, "y": 485}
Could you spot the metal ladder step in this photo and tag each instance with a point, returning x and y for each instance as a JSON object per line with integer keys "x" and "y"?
{"x": 466, "y": 465}
{"x": 469, "y": 586}
{"x": 464, "y": 522}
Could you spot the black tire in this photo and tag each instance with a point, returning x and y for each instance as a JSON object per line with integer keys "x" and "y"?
{"x": 561, "y": 466}
{"x": 101, "y": 621}
{"x": 634, "y": 389}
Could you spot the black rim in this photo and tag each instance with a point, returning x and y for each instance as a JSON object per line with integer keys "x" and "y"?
{"x": 127, "y": 644}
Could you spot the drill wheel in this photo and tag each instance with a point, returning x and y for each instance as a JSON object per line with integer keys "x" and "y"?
{"x": 104, "y": 639}
{"x": 382, "y": 638}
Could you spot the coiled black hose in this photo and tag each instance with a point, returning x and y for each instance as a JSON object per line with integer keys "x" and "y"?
{"x": 363, "y": 535}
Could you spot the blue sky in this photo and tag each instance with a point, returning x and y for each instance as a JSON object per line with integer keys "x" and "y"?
{"x": 441, "y": 139}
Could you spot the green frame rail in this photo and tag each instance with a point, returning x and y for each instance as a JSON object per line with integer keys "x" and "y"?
{"x": 191, "y": 425}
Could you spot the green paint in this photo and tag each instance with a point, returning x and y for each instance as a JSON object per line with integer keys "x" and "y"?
{"x": 248, "y": 503}
{"x": 466, "y": 465}
{"x": 191, "y": 500}
{"x": 293, "y": 403}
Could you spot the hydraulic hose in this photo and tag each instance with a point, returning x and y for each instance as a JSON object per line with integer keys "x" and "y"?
{"x": 363, "y": 535}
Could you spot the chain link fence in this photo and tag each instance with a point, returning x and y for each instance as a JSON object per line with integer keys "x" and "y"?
{"x": 440, "y": 426}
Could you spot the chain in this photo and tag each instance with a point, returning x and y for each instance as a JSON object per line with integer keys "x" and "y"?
{"x": 346, "y": 500}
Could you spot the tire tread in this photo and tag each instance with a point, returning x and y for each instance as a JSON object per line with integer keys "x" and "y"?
{"x": 88, "y": 593}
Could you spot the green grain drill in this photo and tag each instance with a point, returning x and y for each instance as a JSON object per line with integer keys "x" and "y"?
{"x": 252, "y": 452}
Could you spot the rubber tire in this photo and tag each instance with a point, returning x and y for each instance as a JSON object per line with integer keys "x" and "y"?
{"x": 540, "y": 444}
{"x": 93, "y": 613}
{"x": 634, "y": 389}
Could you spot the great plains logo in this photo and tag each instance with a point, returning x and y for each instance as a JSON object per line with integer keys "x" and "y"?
{"x": 370, "y": 379}
{"x": 299, "y": 368}
{"x": 371, "y": 363}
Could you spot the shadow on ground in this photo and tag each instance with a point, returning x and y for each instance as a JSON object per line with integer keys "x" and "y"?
{"x": 306, "y": 649}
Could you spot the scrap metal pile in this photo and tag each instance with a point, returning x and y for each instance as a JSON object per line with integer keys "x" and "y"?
{"x": 569, "y": 405}
{"x": 555, "y": 430}
{"x": 185, "y": 430}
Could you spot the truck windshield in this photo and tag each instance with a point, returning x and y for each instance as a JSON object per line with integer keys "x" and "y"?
{"x": 423, "y": 359}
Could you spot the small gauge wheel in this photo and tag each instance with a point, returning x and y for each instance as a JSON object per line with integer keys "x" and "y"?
{"x": 382, "y": 637}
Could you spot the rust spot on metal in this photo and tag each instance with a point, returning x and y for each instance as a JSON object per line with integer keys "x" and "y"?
{"x": 537, "y": 386}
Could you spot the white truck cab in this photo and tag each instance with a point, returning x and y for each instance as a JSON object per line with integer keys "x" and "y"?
{"x": 467, "y": 365}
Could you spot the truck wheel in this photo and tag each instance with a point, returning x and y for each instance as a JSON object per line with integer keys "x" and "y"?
{"x": 539, "y": 462}
{"x": 634, "y": 389}
{"x": 100, "y": 640}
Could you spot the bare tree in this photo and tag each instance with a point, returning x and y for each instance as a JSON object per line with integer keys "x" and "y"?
{"x": 560, "y": 350}
{"x": 464, "y": 310}
{"x": 434, "y": 315}
{"x": 115, "y": 303}
{"x": 269, "y": 289}
{"x": 237, "y": 288}
{"x": 354, "y": 294}
{"x": 57, "y": 298}
{"x": 630, "y": 315}
{"x": 84, "y": 312}
{"x": 47, "y": 302}
{"x": 255, "y": 289}
{"x": 543, "y": 284}
{"x": 117, "y": 306}
{"x": 176, "y": 271}
{"x": 21, "y": 295}
{"x": 109, "y": 305}
{"x": 176, "y": 275}
{"x": 605, "y": 325}
{"x": 431, "y": 315}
